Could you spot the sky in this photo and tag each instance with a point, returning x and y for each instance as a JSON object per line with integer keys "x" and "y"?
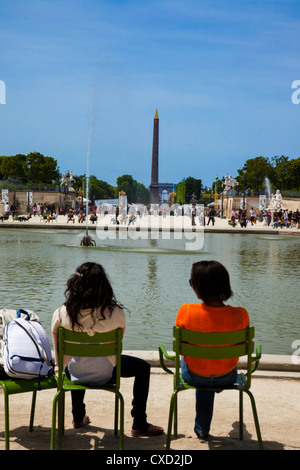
{"x": 82, "y": 79}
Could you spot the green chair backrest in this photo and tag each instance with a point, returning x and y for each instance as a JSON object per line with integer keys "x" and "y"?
{"x": 81, "y": 344}
{"x": 229, "y": 345}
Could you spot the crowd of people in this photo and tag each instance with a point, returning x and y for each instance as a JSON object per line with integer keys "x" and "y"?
{"x": 282, "y": 218}
{"x": 287, "y": 219}
{"x": 48, "y": 213}
{"x": 131, "y": 213}
{"x": 81, "y": 215}
{"x": 240, "y": 217}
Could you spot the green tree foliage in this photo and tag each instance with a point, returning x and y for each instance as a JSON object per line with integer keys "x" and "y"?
{"x": 294, "y": 173}
{"x": 99, "y": 189}
{"x": 13, "y": 167}
{"x": 135, "y": 192}
{"x": 280, "y": 176}
{"x": 142, "y": 194}
{"x": 258, "y": 169}
{"x": 192, "y": 186}
{"x": 180, "y": 193}
{"x": 42, "y": 169}
{"x": 282, "y": 173}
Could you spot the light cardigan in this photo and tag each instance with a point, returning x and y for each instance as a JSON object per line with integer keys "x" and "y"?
{"x": 88, "y": 370}
{"x": 200, "y": 317}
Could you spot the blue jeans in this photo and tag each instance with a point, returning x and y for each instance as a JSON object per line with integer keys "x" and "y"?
{"x": 205, "y": 398}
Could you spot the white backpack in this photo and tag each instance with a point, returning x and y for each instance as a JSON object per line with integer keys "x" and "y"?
{"x": 26, "y": 352}
{"x": 7, "y": 315}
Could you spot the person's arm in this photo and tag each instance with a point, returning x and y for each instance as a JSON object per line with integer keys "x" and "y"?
{"x": 55, "y": 324}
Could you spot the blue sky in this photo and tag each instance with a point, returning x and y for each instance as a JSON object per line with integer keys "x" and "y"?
{"x": 218, "y": 72}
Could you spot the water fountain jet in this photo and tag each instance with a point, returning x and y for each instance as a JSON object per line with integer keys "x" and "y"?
{"x": 87, "y": 240}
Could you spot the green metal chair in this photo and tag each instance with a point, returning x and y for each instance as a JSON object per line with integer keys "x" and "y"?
{"x": 212, "y": 346}
{"x": 80, "y": 344}
{"x": 12, "y": 386}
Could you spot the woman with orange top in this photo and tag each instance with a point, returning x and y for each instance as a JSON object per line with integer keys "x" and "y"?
{"x": 211, "y": 283}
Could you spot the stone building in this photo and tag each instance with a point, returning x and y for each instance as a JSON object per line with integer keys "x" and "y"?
{"x": 22, "y": 198}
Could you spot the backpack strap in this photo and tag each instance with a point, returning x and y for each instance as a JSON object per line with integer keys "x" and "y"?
{"x": 45, "y": 341}
{"x": 20, "y": 311}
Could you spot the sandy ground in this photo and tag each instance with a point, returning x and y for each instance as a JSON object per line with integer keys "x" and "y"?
{"x": 276, "y": 394}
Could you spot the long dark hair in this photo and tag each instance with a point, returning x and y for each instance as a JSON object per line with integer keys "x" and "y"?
{"x": 210, "y": 279}
{"x": 89, "y": 288}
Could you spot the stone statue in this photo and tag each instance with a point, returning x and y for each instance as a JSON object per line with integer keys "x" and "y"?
{"x": 229, "y": 183}
{"x": 67, "y": 179}
{"x": 87, "y": 241}
{"x": 276, "y": 202}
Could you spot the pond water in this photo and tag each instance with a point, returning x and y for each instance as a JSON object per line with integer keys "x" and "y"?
{"x": 151, "y": 279}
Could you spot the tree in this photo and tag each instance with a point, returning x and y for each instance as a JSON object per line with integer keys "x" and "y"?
{"x": 294, "y": 173}
{"x": 258, "y": 169}
{"x": 135, "y": 192}
{"x": 180, "y": 193}
{"x": 42, "y": 169}
{"x": 126, "y": 183}
{"x": 142, "y": 194}
{"x": 192, "y": 186}
{"x": 13, "y": 167}
{"x": 99, "y": 189}
{"x": 280, "y": 177}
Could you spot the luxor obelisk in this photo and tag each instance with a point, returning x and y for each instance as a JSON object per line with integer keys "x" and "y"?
{"x": 154, "y": 168}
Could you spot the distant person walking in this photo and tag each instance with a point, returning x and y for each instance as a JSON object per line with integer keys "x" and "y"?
{"x": 252, "y": 216}
{"x": 193, "y": 214}
{"x": 211, "y": 216}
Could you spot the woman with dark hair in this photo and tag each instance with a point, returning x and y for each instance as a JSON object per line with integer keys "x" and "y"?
{"x": 211, "y": 284}
{"x": 91, "y": 307}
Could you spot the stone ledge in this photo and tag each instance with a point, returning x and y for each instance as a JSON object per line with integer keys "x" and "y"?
{"x": 268, "y": 362}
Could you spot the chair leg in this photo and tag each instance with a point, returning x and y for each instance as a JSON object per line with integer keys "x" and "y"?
{"x": 255, "y": 416}
{"x": 6, "y": 418}
{"x": 121, "y": 421}
{"x": 53, "y": 426}
{"x": 56, "y": 404}
{"x": 32, "y": 411}
{"x": 61, "y": 418}
{"x": 116, "y": 414}
{"x": 241, "y": 415}
{"x": 176, "y": 415}
{"x": 61, "y": 413}
{"x": 173, "y": 405}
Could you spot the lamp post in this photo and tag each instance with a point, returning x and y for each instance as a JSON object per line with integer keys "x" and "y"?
{"x": 244, "y": 199}
{"x": 28, "y": 201}
{"x": 222, "y": 193}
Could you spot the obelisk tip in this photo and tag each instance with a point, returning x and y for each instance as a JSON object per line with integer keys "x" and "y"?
{"x": 156, "y": 115}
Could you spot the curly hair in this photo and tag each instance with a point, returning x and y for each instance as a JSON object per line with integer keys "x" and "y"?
{"x": 89, "y": 288}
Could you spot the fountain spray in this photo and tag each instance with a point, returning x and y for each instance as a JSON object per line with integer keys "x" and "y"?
{"x": 87, "y": 239}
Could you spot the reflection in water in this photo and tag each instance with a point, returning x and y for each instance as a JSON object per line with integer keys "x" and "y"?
{"x": 150, "y": 278}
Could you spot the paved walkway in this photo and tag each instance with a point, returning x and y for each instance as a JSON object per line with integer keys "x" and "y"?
{"x": 167, "y": 223}
{"x": 276, "y": 387}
